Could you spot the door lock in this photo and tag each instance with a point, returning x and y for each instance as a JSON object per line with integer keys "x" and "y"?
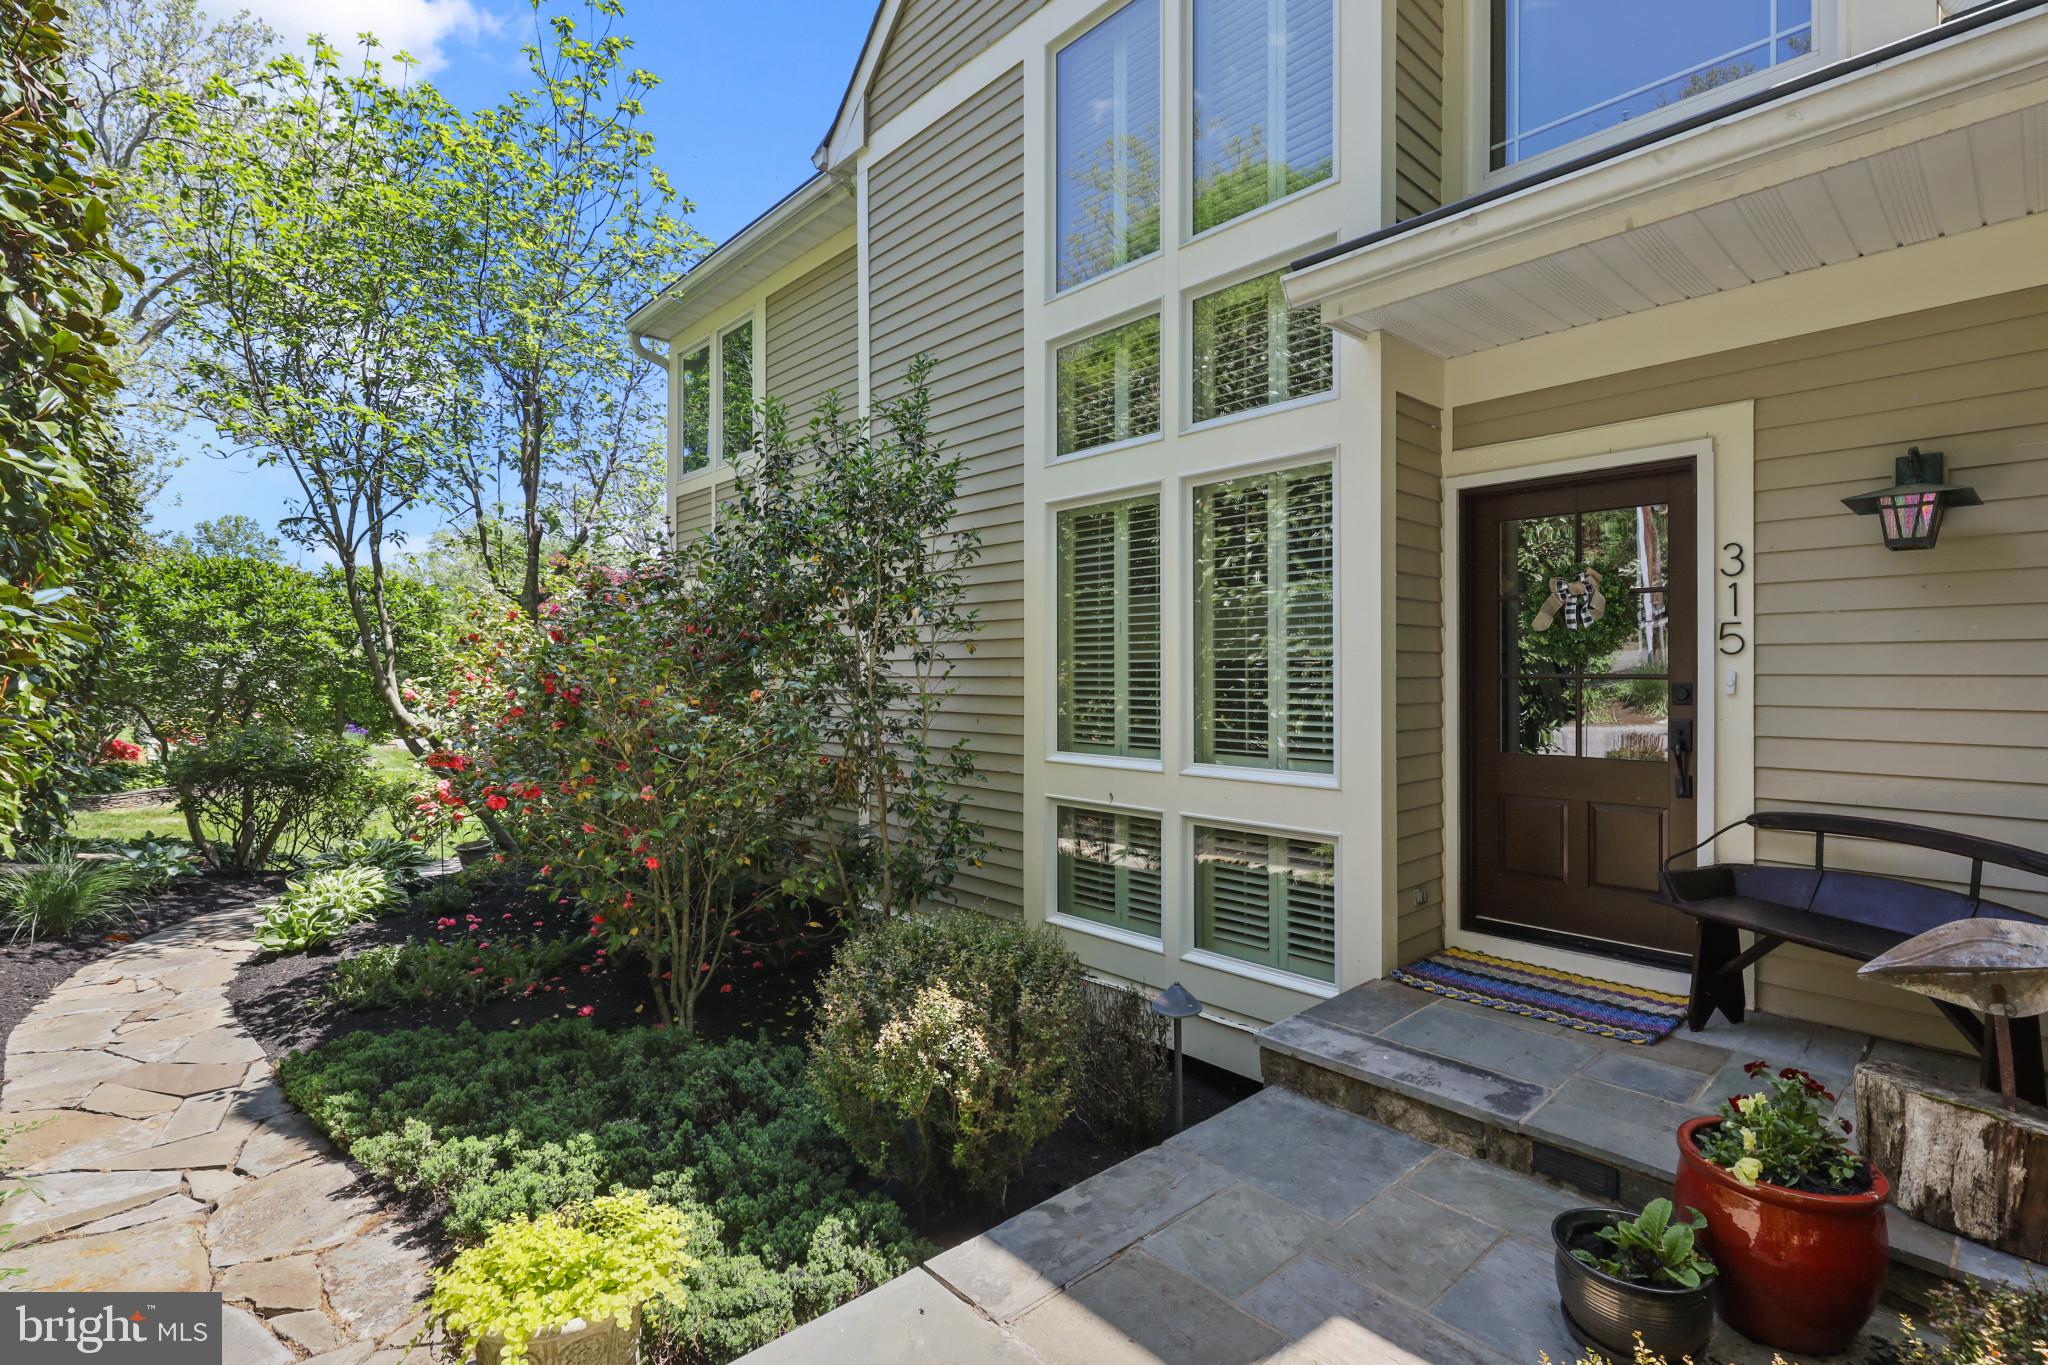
{"x": 1681, "y": 755}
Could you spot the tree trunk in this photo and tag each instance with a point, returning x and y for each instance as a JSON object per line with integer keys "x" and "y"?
{"x": 1956, "y": 1158}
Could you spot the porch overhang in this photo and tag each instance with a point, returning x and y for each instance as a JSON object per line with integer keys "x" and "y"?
{"x": 1946, "y": 135}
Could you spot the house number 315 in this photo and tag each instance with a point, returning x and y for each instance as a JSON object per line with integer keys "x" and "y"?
{"x": 1734, "y": 568}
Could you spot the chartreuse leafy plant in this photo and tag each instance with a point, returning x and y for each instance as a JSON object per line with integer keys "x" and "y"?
{"x": 1653, "y": 1248}
{"x": 316, "y": 908}
{"x": 945, "y": 1048}
{"x": 606, "y": 1259}
{"x": 1780, "y": 1135}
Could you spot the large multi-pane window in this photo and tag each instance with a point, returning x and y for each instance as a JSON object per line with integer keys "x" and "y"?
{"x": 1109, "y": 868}
{"x": 1251, "y": 350}
{"x": 1264, "y": 103}
{"x": 1269, "y": 899}
{"x": 736, "y": 389}
{"x": 696, "y": 404}
{"x": 1108, "y": 685}
{"x": 1564, "y": 72}
{"x": 1108, "y": 386}
{"x": 1108, "y": 144}
{"x": 1265, "y": 622}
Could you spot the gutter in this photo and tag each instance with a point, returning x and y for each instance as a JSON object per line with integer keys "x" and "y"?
{"x": 718, "y": 254}
{"x": 1941, "y": 33}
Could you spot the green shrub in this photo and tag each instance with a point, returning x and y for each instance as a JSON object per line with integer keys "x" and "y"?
{"x": 316, "y": 908}
{"x": 1125, "y": 1067}
{"x": 407, "y": 973}
{"x": 258, "y": 792}
{"x": 945, "y": 1048}
{"x": 66, "y": 897}
{"x": 603, "y": 1259}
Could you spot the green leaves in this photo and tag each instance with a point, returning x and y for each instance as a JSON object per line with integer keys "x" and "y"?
{"x": 1652, "y": 1248}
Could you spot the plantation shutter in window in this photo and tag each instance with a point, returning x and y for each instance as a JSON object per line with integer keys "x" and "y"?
{"x": 1267, "y": 899}
{"x": 1265, "y": 624}
{"x": 736, "y": 397}
{"x": 1109, "y": 387}
{"x": 1252, "y": 350}
{"x": 1264, "y": 103}
{"x": 696, "y": 402}
{"x": 1109, "y": 629}
{"x": 1109, "y": 868}
{"x": 1107, "y": 144}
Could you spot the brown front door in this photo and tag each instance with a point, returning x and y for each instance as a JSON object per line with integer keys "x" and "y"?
{"x": 1579, "y": 693}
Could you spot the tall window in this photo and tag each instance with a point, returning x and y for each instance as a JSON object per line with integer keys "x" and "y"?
{"x": 1109, "y": 386}
{"x": 1267, "y": 898}
{"x": 1265, "y": 103}
{"x": 1563, "y": 72}
{"x": 1251, "y": 349}
{"x": 1265, "y": 626}
{"x": 1109, "y": 629}
{"x": 1109, "y": 868}
{"x": 696, "y": 375}
{"x": 736, "y": 389}
{"x": 1108, "y": 144}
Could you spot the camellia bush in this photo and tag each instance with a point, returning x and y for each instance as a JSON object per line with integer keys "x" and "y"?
{"x": 946, "y": 1048}
{"x": 633, "y": 745}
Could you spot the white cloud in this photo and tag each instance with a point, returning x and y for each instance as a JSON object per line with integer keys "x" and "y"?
{"x": 422, "y": 28}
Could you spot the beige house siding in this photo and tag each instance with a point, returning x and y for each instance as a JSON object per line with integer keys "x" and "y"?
{"x": 1418, "y": 106}
{"x": 1419, "y": 675}
{"x": 813, "y": 340}
{"x": 694, "y": 514}
{"x": 1909, "y": 684}
{"x": 930, "y": 40}
{"x": 946, "y": 278}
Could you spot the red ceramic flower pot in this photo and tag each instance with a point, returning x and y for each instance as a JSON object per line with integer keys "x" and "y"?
{"x": 1801, "y": 1272}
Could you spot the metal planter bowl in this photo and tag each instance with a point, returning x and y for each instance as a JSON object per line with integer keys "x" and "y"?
{"x": 1607, "y": 1314}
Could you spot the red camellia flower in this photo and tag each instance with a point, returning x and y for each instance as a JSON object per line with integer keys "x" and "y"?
{"x": 597, "y": 919}
{"x": 587, "y": 1011}
{"x": 496, "y": 802}
{"x": 647, "y": 793}
{"x": 653, "y": 864}
{"x": 726, "y": 989}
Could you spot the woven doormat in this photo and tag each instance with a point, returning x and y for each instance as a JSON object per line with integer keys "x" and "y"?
{"x": 1586, "y": 1003}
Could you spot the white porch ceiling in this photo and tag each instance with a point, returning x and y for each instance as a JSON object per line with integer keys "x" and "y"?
{"x": 1944, "y": 186}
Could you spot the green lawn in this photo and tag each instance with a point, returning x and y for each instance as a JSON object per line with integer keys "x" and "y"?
{"x": 165, "y": 820}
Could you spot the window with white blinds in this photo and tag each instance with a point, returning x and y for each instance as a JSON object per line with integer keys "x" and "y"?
{"x": 1267, "y": 898}
{"x": 1264, "y": 103}
{"x": 1108, "y": 649}
{"x": 1251, "y": 349}
{"x": 696, "y": 403}
{"x": 1108, "y": 386}
{"x": 1265, "y": 622}
{"x": 1109, "y": 868}
{"x": 736, "y": 389}
{"x": 1107, "y": 144}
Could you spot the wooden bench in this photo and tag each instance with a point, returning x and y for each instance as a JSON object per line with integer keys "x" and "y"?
{"x": 1850, "y": 914}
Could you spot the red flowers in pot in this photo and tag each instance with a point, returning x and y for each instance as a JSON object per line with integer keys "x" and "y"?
{"x": 1795, "y": 1220}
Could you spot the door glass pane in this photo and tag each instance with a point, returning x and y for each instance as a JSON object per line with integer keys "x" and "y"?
{"x": 1541, "y": 716}
{"x": 1628, "y": 545}
{"x": 1628, "y": 719}
{"x": 1566, "y": 71}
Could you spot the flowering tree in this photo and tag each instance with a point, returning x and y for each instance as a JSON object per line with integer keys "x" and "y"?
{"x": 629, "y": 739}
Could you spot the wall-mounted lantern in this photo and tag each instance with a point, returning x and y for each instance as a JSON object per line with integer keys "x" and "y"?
{"x": 1910, "y": 511}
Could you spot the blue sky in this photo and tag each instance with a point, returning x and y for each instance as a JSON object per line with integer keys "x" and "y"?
{"x": 747, "y": 92}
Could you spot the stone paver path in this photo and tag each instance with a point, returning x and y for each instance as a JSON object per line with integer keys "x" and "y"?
{"x": 165, "y": 1157}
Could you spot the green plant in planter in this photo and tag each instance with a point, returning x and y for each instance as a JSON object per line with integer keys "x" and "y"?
{"x": 1653, "y": 1248}
{"x": 605, "y": 1259}
{"x": 1781, "y": 1135}
{"x": 314, "y": 909}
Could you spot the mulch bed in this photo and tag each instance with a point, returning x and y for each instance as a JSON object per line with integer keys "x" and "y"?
{"x": 281, "y": 1002}
{"x": 30, "y": 971}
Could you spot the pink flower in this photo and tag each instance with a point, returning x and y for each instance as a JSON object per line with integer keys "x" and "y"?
{"x": 647, "y": 793}
{"x": 587, "y": 1011}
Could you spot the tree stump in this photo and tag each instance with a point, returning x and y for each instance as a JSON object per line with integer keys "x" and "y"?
{"x": 1956, "y": 1158}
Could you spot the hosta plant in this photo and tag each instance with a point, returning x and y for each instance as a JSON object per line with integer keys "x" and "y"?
{"x": 1781, "y": 1135}
{"x": 316, "y": 908}
{"x": 605, "y": 1259}
{"x": 1653, "y": 1248}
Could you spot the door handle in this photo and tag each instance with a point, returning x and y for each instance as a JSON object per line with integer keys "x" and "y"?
{"x": 1681, "y": 755}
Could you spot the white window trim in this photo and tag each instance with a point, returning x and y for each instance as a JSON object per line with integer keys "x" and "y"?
{"x": 1216, "y": 284}
{"x": 1271, "y": 976}
{"x": 1053, "y": 288}
{"x": 756, "y": 319}
{"x": 1185, "y": 193}
{"x": 1054, "y": 915}
{"x": 1827, "y": 31}
{"x": 1190, "y": 680}
{"x": 1081, "y": 758}
{"x": 1154, "y": 309}
{"x": 1199, "y": 956}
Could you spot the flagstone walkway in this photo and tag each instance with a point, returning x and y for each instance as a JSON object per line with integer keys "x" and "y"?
{"x": 164, "y": 1157}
